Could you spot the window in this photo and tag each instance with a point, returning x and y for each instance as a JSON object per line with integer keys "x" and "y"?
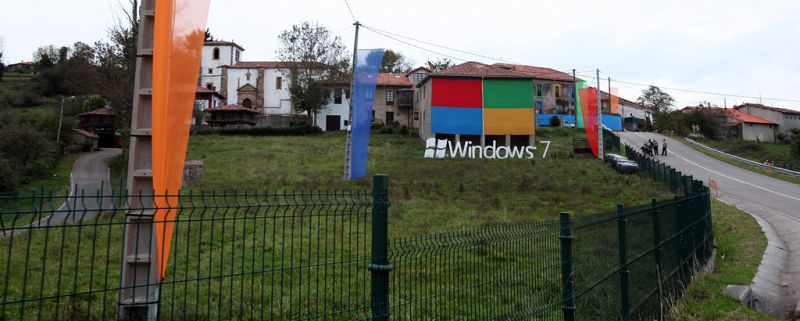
{"x": 389, "y": 97}
{"x": 347, "y": 93}
{"x": 373, "y": 115}
{"x": 558, "y": 91}
{"x": 417, "y": 77}
{"x": 237, "y": 55}
{"x": 337, "y": 96}
{"x": 572, "y": 91}
{"x": 215, "y": 54}
{"x": 210, "y": 71}
{"x": 416, "y": 115}
{"x": 247, "y": 103}
{"x": 248, "y": 74}
{"x": 278, "y": 83}
{"x": 210, "y": 85}
{"x": 538, "y": 90}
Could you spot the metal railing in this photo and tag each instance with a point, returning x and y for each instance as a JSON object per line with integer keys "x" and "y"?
{"x": 328, "y": 255}
{"x": 744, "y": 160}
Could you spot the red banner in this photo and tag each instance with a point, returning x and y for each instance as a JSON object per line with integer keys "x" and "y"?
{"x": 588, "y": 99}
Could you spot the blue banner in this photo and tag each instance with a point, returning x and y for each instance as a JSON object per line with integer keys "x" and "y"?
{"x": 368, "y": 63}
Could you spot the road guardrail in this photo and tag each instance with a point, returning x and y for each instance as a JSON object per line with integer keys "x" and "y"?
{"x": 744, "y": 160}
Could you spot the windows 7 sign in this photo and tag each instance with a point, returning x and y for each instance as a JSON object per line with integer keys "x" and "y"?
{"x": 441, "y": 148}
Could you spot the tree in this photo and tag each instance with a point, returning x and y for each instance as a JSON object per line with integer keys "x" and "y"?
{"x": 208, "y": 37}
{"x": 315, "y": 56}
{"x": 656, "y": 99}
{"x": 394, "y": 61}
{"x": 440, "y": 64}
{"x": 2, "y": 66}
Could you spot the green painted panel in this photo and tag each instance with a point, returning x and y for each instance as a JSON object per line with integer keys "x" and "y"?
{"x": 578, "y": 113}
{"x": 507, "y": 93}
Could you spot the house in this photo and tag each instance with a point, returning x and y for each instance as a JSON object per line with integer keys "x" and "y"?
{"x": 205, "y": 98}
{"x": 101, "y": 122}
{"x": 737, "y": 124}
{"x": 787, "y": 119}
{"x": 21, "y": 67}
{"x": 395, "y": 101}
{"x": 554, "y": 91}
{"x": 483, "y": 104}
{"x": 633, "y": 115}
{"x": 232, "y": 115}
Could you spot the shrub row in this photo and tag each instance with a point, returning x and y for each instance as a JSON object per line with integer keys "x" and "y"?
{"x": 260, "y": 131}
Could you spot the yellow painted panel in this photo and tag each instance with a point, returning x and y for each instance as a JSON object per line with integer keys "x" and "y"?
{"x": 508, "y": 121}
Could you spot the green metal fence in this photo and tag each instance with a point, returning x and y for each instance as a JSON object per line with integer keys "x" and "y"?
{"x": 327, "y": 255}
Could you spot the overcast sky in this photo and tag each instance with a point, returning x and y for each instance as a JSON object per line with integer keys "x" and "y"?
{"x": 747, "y": 48}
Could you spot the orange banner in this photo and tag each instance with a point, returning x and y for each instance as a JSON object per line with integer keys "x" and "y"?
{"x": 177, "y": 49}
{"x": 614, "y": 101}
{"x": 508, "y": 121}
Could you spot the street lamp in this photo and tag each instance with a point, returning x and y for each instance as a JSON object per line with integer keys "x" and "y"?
{"x": 61, "y": 117}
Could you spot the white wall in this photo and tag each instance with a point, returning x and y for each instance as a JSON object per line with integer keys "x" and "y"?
{"x": 227, "y": 56}
{"x": 277, "y": 101}
{"x": 238, "y": 78}
{"x": 343, "y": 110}
{"x": 626, "y": 111}
{"x": 758, "y": 132}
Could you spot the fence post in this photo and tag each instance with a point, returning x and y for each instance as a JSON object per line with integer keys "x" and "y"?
{"x": 623, "y": 264}
{"x": 380, "y": 266}
{"x": 657, "y": 247}
{"x": 566, "y": 237}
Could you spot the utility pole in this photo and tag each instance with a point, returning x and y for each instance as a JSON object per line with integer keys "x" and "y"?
{"x": 60, "y": 121}
{"x": 575, "y": 94}
{"x": 600, "y": 118}
{"x": 348, "y": 149}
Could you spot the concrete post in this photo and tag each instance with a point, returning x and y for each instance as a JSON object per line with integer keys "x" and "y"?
{"x": 139, "y": 293}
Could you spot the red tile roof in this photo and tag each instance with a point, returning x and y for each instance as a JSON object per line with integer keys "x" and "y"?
{"x": 780, "y": 110}
{"x": 393, "y": 80}
{"x": 537, "y": 72}
{"x": 204, "y": 90}
{"x": 233, "y": 107}
{"x": 477, "y": 69}
{"x": 99, "y": 112}
{"x": 222, "y": 43}
{"x": 733, "y": 113}
{"x": 270, "y": 64}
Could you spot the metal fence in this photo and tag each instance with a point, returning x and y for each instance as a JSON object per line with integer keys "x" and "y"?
{"x": 744, "y": 160}
{"x": 327, "y": 255}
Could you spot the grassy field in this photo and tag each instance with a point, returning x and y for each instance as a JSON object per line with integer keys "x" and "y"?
{"x": 778, "y": 153}
{"x": 428, "y": 195}
{"x": 740, "y": 246}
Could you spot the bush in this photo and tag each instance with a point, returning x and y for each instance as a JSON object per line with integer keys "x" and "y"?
{"x": 9, "y": 177}
{"x": 260, "y": 131}
{"x": 94, "y": 102}
{"x": 555, "y": 121}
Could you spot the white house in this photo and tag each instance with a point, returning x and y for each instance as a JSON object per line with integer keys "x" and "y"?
{"x": 215, "y": 55}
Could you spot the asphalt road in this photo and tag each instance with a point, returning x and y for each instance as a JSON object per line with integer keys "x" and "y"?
{"x": 774, "y": 203}
{"x": 89, "y": 178}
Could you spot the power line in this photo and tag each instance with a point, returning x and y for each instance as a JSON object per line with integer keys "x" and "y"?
{"x": 707, "y": 92}
{"x": 351, "y": 10}
{"x": 395, "y": 36}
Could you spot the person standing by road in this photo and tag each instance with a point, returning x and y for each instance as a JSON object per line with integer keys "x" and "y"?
{"x": 664, "y": 148}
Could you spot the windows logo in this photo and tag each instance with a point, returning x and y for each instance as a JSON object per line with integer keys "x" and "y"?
{"x": 435, "y": 148}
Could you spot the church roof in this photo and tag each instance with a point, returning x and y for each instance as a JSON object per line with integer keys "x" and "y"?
{"x": 267, "y": 64}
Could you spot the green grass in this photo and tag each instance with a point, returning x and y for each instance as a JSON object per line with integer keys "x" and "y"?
{"x": 757, "y": 169}
{"x": 740, "y": 246}
{"x": 428, "y": 195}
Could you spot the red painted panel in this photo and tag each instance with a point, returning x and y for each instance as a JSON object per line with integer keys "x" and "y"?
{"x": 461, "y": 93}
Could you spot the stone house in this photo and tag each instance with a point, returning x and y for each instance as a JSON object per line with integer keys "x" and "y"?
{"x": 787, "y": 119}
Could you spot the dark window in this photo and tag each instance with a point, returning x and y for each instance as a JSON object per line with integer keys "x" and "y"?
{"x": 209, "y": 85}
{"x": 237, "y": 55}
{"x": 389, "y": 97}
{"x": 389, "y": 118}
{"x": 373, "y": 115}
{"x": 210, "y": 71}
{"x": 538, "y": 90}
{"x": 558, "y": 91}
{"x": 247, "y": 103}
{"x": 416, "y": 115}
{"x": 337, "y": 96}
{"x": 215, "y": 55}
{"x": 278, "y": 82}
{"x": 347, "y": 93}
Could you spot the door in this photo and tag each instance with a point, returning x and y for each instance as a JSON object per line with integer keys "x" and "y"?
{"x": 333, "y": 122}
{"x": 389, "y": 118}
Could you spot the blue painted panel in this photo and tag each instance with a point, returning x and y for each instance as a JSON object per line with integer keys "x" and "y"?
{"x": 463, "y": 121}
{"x": 369, "y": 62}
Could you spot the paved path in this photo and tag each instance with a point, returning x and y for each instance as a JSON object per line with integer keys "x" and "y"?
{"x": 89, "y": 177}
{"x": 774, "y": 203}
